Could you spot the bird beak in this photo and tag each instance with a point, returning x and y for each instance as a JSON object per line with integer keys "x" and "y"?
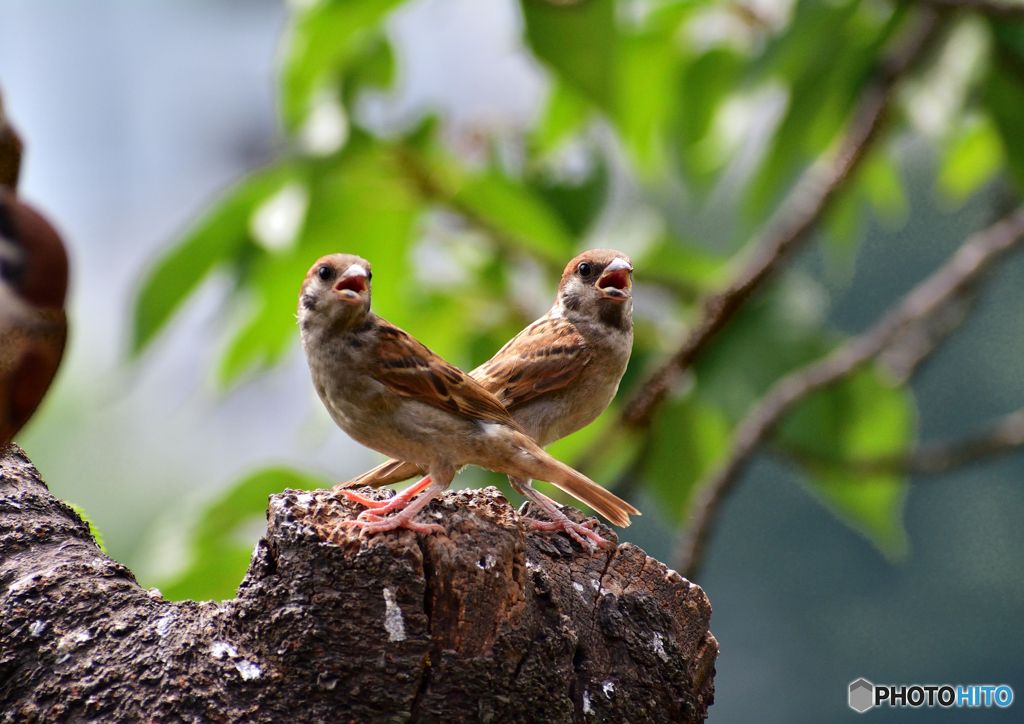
{"x": 352, "y": 286}
{"x": 617, "y": 280}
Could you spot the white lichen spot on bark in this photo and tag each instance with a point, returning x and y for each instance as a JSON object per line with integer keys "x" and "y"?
{"x": 659, "y": 646}
{"x": 248, "y": 670}
{"x": 394, "y": 624}
{"x": 220, "y": 649}
{"x": 163, "y": 624}
{"x": 587, "y": 708}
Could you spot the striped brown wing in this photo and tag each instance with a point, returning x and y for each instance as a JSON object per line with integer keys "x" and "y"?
{"x": 410, "y": 369}
{"x": 546, "y": 356}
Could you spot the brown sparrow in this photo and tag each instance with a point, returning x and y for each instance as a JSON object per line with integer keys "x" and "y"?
{"x": 392, "y": 394}
{"x": 557, "y": 375}
{"x": 33, "y": 329}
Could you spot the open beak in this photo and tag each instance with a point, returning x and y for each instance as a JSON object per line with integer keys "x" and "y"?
{"x": 617, "y": 281}
{"x": 352, "y": 285}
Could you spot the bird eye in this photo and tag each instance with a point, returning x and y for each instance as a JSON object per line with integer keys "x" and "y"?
{"x": 369, "y": 276}
{"x": 325, "y": 272}
{"x": 584, "y": 269}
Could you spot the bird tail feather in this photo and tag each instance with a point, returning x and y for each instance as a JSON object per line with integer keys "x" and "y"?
{"x": 391, "y": 471}
{"x": 578, "y": 485}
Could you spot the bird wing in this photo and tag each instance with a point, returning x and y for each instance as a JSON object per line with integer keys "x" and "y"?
{"x": 409, "y": 368}
{"x": 547, "y": 355}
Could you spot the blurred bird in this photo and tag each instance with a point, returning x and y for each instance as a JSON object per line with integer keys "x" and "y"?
{"x": 392, "y": 394}
{"x": 33, "y": 329}
{"x": 557, "y": 375}
{"x": 10, "y": 152}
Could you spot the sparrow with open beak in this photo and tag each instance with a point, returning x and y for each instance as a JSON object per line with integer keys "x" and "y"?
{"x": 392, "y": 394}
{"x": 557, "y": 375}
{"x": 33, "y": 329}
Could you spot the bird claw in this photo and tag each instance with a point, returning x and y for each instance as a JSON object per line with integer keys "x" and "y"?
{"x": 370, "y": 503}
{"x": 582, "y": 533}
{"x": 382, "y": 525}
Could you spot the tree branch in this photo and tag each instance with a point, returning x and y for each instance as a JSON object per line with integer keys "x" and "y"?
{"x": 999, "y": 437}
{"x": 485, "y": 622}
{"x": 976, "y": 255}
{"x": 797, "y": 217}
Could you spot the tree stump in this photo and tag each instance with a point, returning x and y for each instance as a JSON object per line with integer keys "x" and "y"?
{"x": 486, "y": 622}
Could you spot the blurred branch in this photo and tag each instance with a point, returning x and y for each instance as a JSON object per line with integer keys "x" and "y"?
{"x": 917, "y": 343}
{"x": 797, "y": 217}
{"x": 10, "y": 152}
{"x": 970, "y": 261}
{"x": 991, "y": 8}
{"x": 434, "y": 189}
{"x": 1000, "y": 437}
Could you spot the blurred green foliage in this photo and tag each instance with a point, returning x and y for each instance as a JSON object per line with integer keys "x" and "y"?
{"x": 682, "y": 86}
{"x": 219, "y": 550}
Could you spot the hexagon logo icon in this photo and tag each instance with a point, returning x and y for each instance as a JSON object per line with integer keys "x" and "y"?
{"x": 862, "y": 694}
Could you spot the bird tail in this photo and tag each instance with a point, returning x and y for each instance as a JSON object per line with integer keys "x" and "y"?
{"x": 392, "y": 471}
{"x": 578, "y": 485}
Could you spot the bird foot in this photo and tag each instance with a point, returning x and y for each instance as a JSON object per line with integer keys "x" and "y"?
{"x": 374, "y": 523}
{"x": 363, "y": 500}
{"x": 582, "y": 533}
{"x": 396, "y": 503}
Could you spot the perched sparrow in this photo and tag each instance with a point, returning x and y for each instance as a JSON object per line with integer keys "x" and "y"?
{"x": 392, "y": 394}
{"x": 558, "y": 374}
{"x": 33, "y": 282}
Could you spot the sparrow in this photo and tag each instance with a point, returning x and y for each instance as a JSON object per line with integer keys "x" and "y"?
{"x": 33, "y": 328}
{"x": 392, "y": 394}
{"x": 557, "y": 375}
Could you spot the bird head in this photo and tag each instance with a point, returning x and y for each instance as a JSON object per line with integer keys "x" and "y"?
{"x": 337, "y": 289}
{"x": 598, "y": 282}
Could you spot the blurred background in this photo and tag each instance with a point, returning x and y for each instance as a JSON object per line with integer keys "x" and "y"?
{"x": 198, "y": 156}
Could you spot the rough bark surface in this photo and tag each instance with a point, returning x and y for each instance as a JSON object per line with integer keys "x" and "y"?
{"x": 486, "y": 622}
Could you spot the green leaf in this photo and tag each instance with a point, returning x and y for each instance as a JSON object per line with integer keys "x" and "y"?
{"x": 577, "y": 41}
{"x": 689, "y": 438}
{"x": 863, "y": 417}
{"x": 217, "y": 239}
{"x": 325, "y": 39}
{"x": 844, "y": 221}
{"x": 517, "y": 211}
{"x": 373, "y": 68}
{"x": 1004, "y": 96}
{"x": 972, "y": 158}
{"x": 565, "y": 114}
{"x": 705, "y": 84}
{"x": 647, "y": 68}
{"x": 826, "y": 56}
{"x": 880, "y": 183}
{"x": 220, "y": 552}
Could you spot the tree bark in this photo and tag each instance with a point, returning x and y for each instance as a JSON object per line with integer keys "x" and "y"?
{"x": 486, "y": 622}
